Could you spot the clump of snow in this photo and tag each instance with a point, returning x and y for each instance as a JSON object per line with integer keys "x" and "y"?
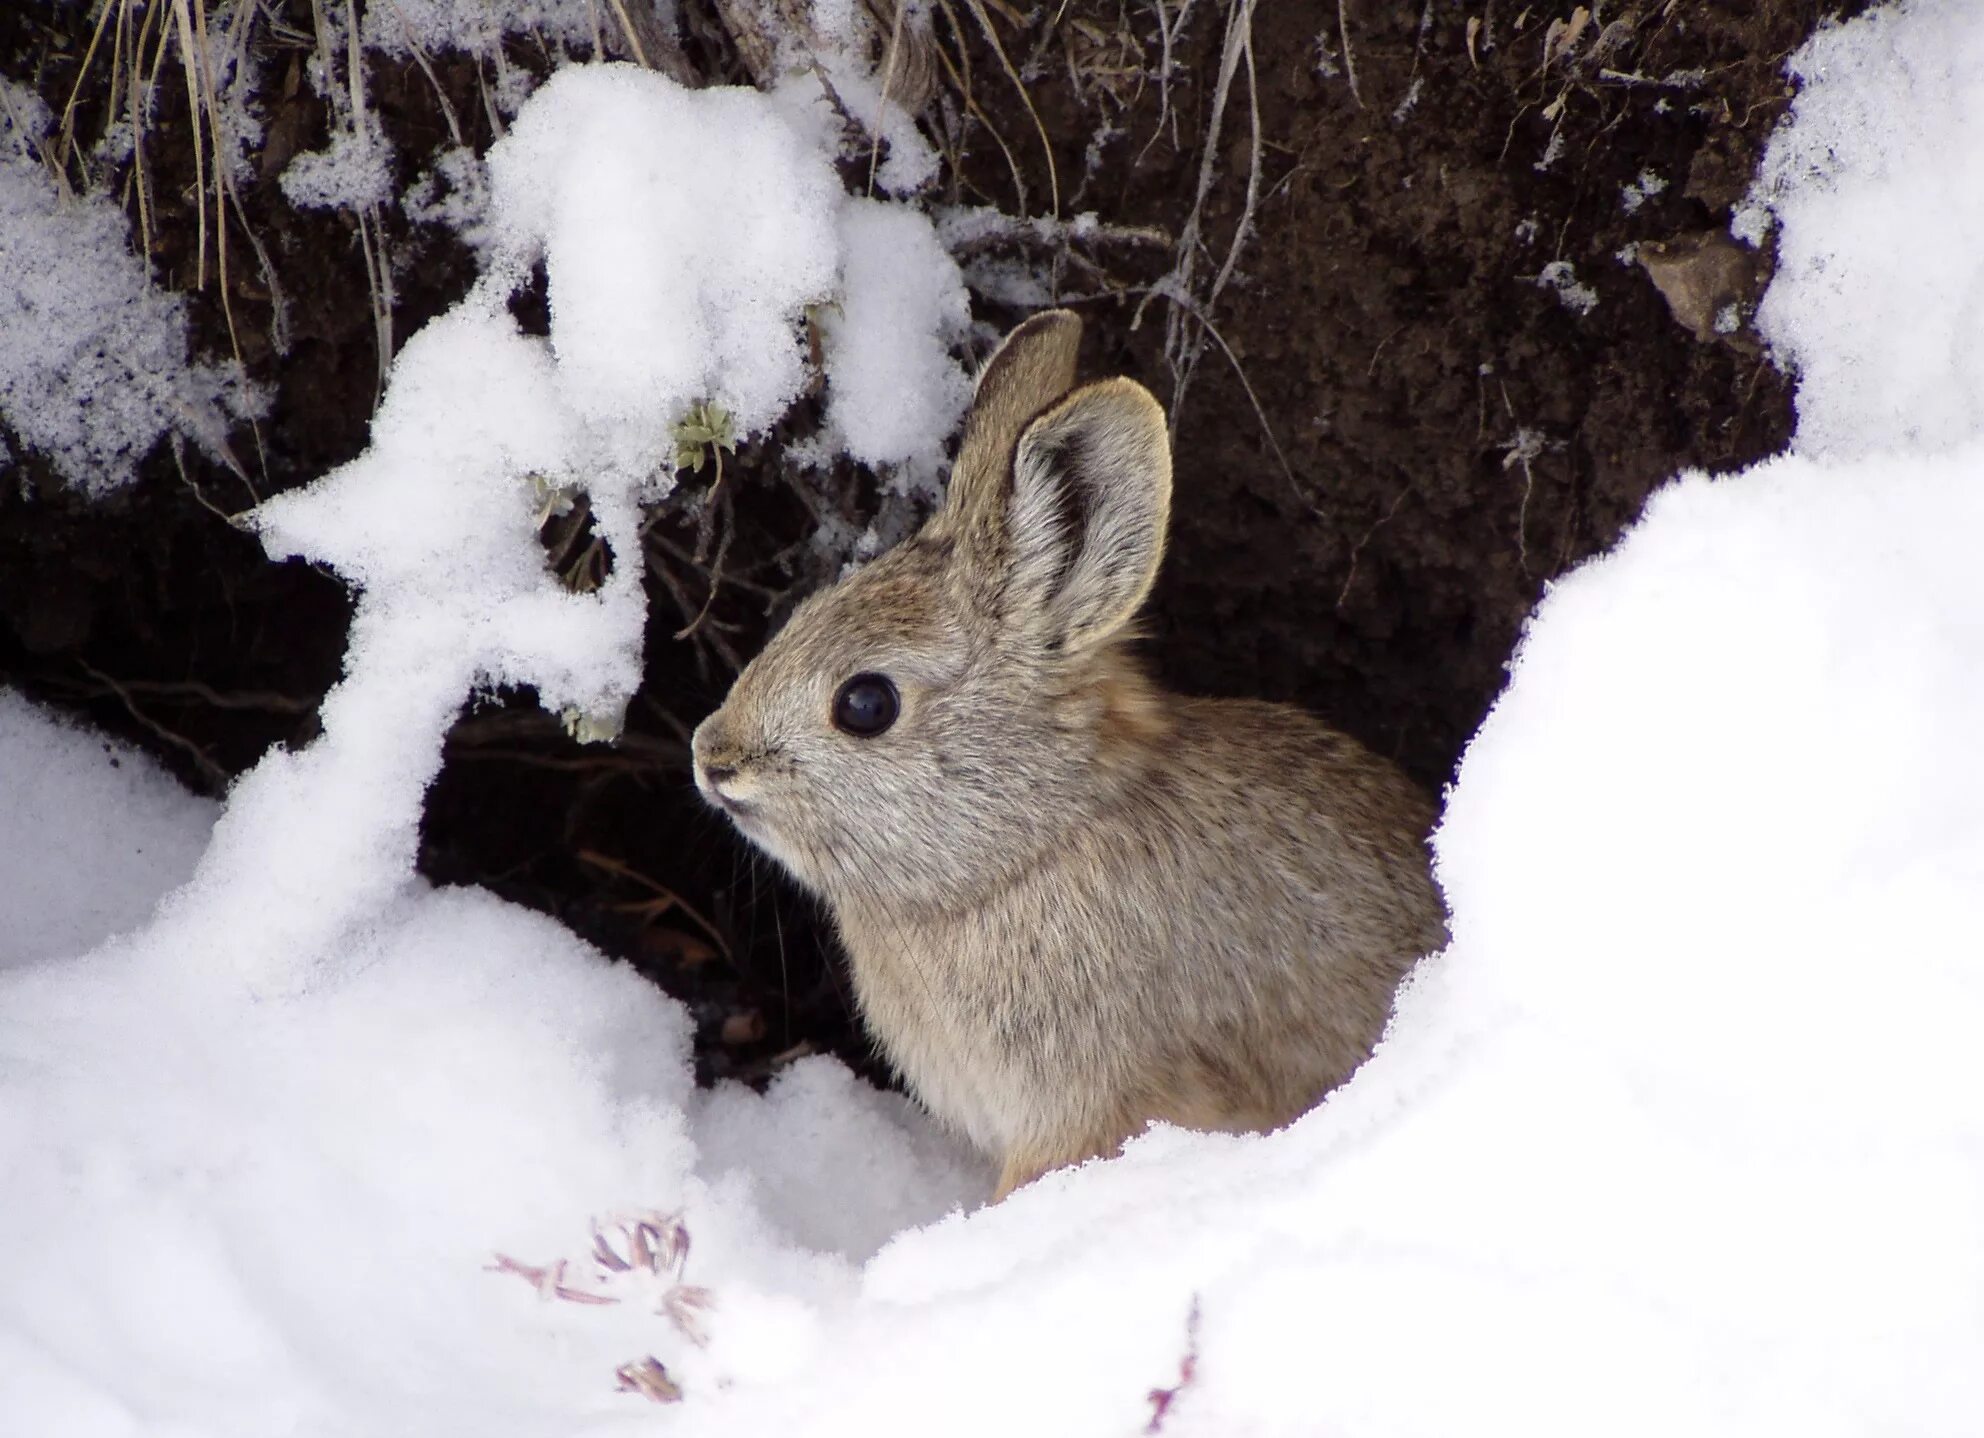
{"x": 813, "y": 1116}
{"x": 837, "y": 50}
{"x": 1680, "y": 1135}
{"x": 353, "y": 172}
{"x": 476, "y": 27}
{"x": 1004, "y": 281}
{"x": 1561, "y": 280}
{"x": 1640, "y": 190}
{"x": 92, "y": 834}
{"x": 454, "y": 191}
{"x": 1750, "y": 223}
{"x": 685, "y": 233}
{"x": 1877, "y": 187}
{"x": 93, "y": 371}
{"x": 891, "y": 381}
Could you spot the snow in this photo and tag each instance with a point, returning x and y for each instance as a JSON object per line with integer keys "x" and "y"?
{"x": 686, "y": 234}
{"x": 454, "y": 191}
{"x": 1680, "y": 1134}
{"x": 93, "y": 371}
{"x": 93, "y": 834}
{"x": 1868, "y": 229}
{"x": 1642, "y": 189}
{"x": 833, "y": 50}
{"x": 355, "y": 170}
{"x": 1561, "y": 280}
{"x": 474, "y": 27}
{"x": 891, "y": 383}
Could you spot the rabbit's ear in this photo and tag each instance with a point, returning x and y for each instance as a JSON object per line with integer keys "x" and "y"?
{"x": 1033, "y": 367}
{"x": 1090, "y": 498}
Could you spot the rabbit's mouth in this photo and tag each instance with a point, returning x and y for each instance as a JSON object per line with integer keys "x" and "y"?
{"x": 748, "y": 819}
{"x": 710, "y": 779}
{"x": 741, "y": 812}
{"x": 737, "y": 809}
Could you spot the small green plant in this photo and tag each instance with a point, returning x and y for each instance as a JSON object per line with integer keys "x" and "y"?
{"x": 554, "y": 501}
{"x": 704, "y": 432}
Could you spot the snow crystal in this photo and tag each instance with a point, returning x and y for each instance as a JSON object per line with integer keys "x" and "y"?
{"x": 1553, "y": 151}
{"x": 1561, "y": 280}
{"x": 476, "y": 27}
{"x": 353, "y": 173}
{"x": 454, "y": 191}
{"x": 94, "y": 369}
{"x": 1637, "y": 193}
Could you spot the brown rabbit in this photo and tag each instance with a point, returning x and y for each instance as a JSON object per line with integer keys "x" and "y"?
{"x": 1074, "y": 903}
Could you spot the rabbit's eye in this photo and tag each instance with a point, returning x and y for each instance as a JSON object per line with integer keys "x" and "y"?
{"x": 866, "y": 705}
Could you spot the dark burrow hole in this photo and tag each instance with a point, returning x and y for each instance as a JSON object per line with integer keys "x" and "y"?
{"x": 1380, "y": 320}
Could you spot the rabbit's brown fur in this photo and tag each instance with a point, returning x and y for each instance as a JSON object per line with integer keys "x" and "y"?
{"x": 1074, "y": 903}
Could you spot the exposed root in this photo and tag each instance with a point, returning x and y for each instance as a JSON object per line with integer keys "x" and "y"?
{"x": 211, "y": 774}
{"x": 1188, "y": 324}
{"x": 1349, "y": 56}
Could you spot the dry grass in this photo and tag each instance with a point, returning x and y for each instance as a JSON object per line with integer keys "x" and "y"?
{"x": 202, "y": 46}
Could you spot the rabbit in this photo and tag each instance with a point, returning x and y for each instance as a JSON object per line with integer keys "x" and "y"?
{"x": 1073, "y": 903}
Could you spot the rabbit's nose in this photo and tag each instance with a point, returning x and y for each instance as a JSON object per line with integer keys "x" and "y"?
{"x": 710, "y": 758}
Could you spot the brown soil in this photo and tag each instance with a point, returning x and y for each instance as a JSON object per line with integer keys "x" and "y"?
{"x": 1438, "y": 433}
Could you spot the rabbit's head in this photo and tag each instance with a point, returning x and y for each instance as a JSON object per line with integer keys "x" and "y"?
{"x": 921, "y": 729}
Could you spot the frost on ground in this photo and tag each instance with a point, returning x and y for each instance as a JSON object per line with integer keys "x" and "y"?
{"x": 93, "y": 367}
{"x": 1680, "y": 1135}
{"x": 95, "y": 370}
{"x": 1561, "y": 280}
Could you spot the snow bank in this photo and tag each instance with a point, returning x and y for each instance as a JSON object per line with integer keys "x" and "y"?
{"x": 1680, "y": 1135}
{"x": 92, "y": 834}
{"x": 313, "y": 1084}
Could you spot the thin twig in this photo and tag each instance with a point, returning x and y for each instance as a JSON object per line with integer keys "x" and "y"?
{"x": 977, "y": 8}
{"x": 1349, "y": 58}
{"x": 665, "y": 897}
{"x": 212, "y": 773}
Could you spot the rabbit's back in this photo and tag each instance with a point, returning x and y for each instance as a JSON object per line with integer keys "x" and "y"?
{"x": 1213, "y": 940}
